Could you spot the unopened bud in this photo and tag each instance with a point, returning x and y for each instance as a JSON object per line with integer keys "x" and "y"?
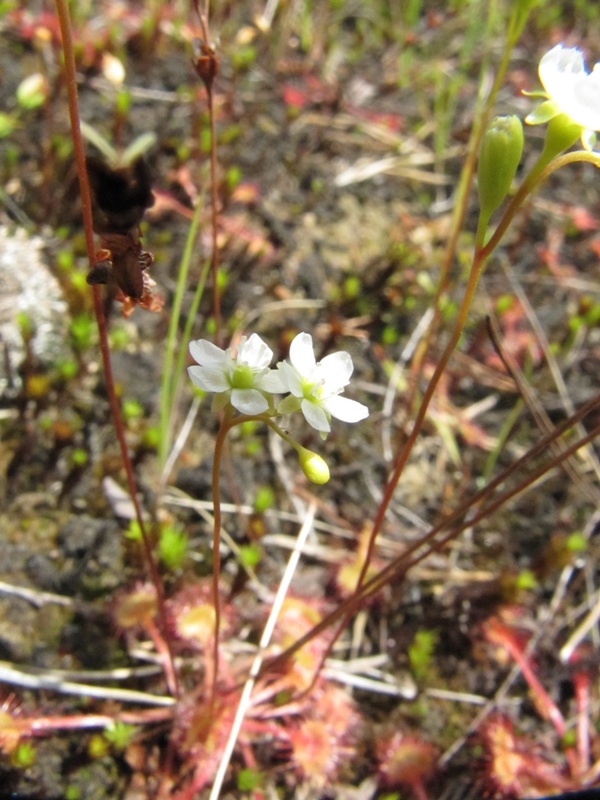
{"x": 499, "y": 157}
{"x": 32, "y": 91}
{"x": 561, "y": 134}
{"x": 313, "y": 466}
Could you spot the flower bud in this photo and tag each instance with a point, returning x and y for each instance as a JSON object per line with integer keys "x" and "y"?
{"x": 499, "y": 157}
{"x": 313, "y": 466}
{"x": 561, "y": 134}
{"x": 32, "y": 91}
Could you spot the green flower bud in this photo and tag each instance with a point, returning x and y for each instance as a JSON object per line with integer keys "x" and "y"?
{"x": 561, "y": 134}
{"x": 499, "y": 157}
{"x": 313, "y": 466}
{"x": 33, "y": 91}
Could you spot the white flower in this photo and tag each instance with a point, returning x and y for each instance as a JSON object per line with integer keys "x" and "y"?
{"x": 570, "y": 90}
{"x": 244, "y": 380}
{"x": 316, "y": 387}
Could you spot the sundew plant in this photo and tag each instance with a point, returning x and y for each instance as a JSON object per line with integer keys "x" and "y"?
{"x": 315, "y": 477}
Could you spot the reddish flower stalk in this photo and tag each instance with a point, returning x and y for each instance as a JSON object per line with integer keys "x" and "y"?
{"x": 498, "y": 633}
{"x": 583, "y": 685}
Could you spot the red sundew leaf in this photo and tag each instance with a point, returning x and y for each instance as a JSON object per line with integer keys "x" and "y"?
{"x": 295, "y": 97}
{"x": 595, "y": 246}
{"x": 246, "y": 193}
{"x": 393, "y": 122}
{"x": 166, "y": 203}
{"x": 583, "y": 220}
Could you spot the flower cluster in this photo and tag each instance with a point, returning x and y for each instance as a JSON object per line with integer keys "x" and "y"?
{"x": 569, "y": 90}
{"x": 246, "y": 381}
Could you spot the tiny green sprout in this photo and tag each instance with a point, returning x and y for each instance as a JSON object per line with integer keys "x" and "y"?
{"x": 250, "y": 555}
{"x": 172, "y": 547}
{"x": 8, "y": 124}
{"x": 389, "y": 335}
{"x": 132, "y": 410}
{"x": 82, "y": 330}
{"x": 32, "y": 92}
{"x": 25, "y": 324}
{"x": 233, "y": 178}
{"x": 23, "y": 756}
{"x": 504, "y": 303}
{"x": 134, "y": 532}
{"x": 79, "y": 457}
{"x": 352, "y": 287}
{"x": 73, "y": 793}
{"x": 98, "y": 747}
{"x": 313, "y": 466}
{"x": 526, "y": 580}
{"x": 65, "y": 260}
{"x": 67, "y": 369}
{"x": 205, "y": 140}
{"x": 249, "y": 779}
{"x": 243, "y": 57}
{"x": 568, "y": 740}
{"x": 252, "y": 447}
{"x": 577, "y": 543}
{"x": 265, "y": 499}
{"x": 118, "y": 338}
{"x": 120, "y": 735}
{"x": 123, "y": 104}
{"x": 420, "y": 652}
{"x": 231, "y": 134}
{"x": 222, "y": 280}
{"x": 184, "y": 153}
{"x": 151, "y": 438}
{"x": 78, "y": 282}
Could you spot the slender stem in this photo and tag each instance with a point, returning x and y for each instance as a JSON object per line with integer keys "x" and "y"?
{"x": 226, "y": 424}
{"x": 214, "y": 215}
{"x": 86, "y": 202}
{"x": 455, "y": 523}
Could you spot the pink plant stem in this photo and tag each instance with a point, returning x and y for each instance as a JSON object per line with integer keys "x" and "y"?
{"x": 503, "y": 635}
{"x": 544, "y": 703}
{"x": 42, "y": 725}
{"x": 582, "y": 684}
{"x": 419, "y": 790}
{"x": 163, "y": 651}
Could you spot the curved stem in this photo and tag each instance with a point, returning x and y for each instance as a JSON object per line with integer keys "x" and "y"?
{"x": 529, "y": 185}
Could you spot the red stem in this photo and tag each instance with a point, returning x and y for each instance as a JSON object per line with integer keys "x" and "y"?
{"x": 86, "y": 203}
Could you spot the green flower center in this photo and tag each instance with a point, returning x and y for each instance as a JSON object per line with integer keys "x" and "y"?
{"x": 312, "y": 390}
{"x": 242, "y": 378}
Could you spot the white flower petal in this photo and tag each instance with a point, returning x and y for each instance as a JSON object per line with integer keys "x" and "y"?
{"x": 315, "y": 416}
{"x": 272, "y": 382}
{"x": 577, "y": 93}
{"x": 249, "y": 401}
{"x": 588, "y": 140}
{"x": 344, "y": 409}
{"x": 336, "y": 370}
{"x": 208, "y": 379}
{"x": 207, "y": 354}
{"x": 290, "y": 379}
{"x": 302, "y": 354}
{"x": 254, "y": 352}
